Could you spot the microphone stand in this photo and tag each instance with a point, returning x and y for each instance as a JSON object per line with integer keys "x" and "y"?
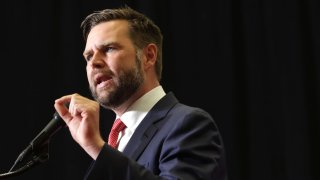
{"x": 38, "y": 149}
{"x": 36, "y": 158}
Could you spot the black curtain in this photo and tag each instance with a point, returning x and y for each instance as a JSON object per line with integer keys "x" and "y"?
{"x": 253, "y": 64}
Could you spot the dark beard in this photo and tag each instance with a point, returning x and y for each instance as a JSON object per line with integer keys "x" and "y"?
{"x": 128, "y": 83}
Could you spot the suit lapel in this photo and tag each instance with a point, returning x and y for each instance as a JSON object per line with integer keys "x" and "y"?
{"x": 147, "y": 128}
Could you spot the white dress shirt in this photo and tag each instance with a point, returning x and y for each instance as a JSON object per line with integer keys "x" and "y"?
{"x": 136, "y": 113}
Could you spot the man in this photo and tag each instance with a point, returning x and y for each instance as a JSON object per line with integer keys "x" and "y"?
{"x": 162, "y": 139}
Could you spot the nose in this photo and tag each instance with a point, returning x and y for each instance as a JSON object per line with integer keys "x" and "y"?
{"x": 98, "y": 60}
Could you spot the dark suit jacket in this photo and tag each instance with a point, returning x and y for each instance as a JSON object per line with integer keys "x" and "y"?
{"x": 174, "y": 141}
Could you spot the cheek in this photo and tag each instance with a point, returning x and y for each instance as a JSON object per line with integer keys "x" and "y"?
{"x": 117, "y": 66}
{"x": 88, "y": 70}
{"x": 124, "y": 59}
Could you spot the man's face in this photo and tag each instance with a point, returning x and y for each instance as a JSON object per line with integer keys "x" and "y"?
{"x": 113, "y": 68}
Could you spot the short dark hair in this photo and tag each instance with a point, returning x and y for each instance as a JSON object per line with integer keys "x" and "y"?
{"x": 142, "y": 29}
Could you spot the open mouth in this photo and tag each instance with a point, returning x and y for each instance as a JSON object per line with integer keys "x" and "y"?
{"x": 102, "y": 80}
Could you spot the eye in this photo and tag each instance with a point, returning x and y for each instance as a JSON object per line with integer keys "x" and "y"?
{"x": 109, "y": 49}
{"x": 88, "y": 57}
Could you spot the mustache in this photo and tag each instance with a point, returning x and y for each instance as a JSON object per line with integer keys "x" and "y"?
{"x": 102, "y": 71}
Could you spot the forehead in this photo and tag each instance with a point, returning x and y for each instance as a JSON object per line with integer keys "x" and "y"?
{"x": 108, "y": 30}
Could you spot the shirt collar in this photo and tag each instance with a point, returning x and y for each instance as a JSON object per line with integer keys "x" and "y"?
{"x": 139, "y": 109}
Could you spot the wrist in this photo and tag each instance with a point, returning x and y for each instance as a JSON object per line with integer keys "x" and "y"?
{"x": 94, "y": 150}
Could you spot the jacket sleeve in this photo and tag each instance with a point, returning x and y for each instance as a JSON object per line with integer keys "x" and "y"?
{"x": 113, "y": 165}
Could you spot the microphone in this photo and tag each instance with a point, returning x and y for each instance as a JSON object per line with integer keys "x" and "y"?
{"x": 42, "y": 138}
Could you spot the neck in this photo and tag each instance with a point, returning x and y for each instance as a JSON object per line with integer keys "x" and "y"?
{"x": 120, "y": 110}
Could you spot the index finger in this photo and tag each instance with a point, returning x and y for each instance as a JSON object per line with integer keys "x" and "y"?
{"x": 62, "y": 107}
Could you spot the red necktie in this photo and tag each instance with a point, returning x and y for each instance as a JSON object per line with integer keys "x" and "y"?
{"x": 117, "y": 127}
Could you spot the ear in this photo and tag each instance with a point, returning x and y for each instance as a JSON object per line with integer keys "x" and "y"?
{"x": 150, "y": 52}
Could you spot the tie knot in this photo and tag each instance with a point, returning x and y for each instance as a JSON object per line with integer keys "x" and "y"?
{"x": 118, "y": 126}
